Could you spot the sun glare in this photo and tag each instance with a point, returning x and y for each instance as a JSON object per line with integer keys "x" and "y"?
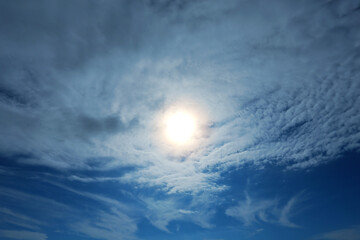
{"x": 180, "y": 127}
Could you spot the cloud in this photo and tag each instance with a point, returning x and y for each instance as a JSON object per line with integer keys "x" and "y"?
{"x": 175, "y": 177}
{"x": 24, "y": 235}
{"x": 86, "y": 99}
{"x": 160, "y": 212}
{"x": 109, "y": 222}
{"x": 20, "y": 198}
{"x": 9, "y": 216}
{"x": 252, "y": 211}
{"x": 113, "y": 203}
{"x": 352, "y": 233}
{"x": 186, "y": 211}
{"x": 84, "y": 89}
{"x": 287, "y": 211}
{"x": 113, "y": 225}
{"x": 115, "y": 222}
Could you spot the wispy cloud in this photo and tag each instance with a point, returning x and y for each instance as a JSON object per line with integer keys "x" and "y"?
{"x": 97, "y": 197}
{"x": 252, "y": 210}
{"x": 20, "y": 197}
{"x": 107, "y": 225}
{"x": 9, "y": 216}
{"x": 161, "y": 212}
{"x": 23, "y": 235}
{"x": 286, "y": 212}
{"x": 351, "y": 233}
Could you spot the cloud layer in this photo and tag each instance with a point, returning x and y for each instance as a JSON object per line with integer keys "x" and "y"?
{"x": 84, "y": 91}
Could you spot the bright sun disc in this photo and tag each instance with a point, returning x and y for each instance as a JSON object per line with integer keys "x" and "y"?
{"x": 180, "y": 127}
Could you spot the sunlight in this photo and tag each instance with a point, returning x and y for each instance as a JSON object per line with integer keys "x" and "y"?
{"x": 180, "y": 127}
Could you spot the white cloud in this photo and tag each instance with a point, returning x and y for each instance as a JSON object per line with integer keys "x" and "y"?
{"x": 183, "y": 211}
{"x": 112, "y": 222}
{"x": 112, "y": 225}
{"x": 161, "y": 212}
{"x": 115, "y": 223}
{"x": 286, "y": 213}
{"x": 252, "y": 211}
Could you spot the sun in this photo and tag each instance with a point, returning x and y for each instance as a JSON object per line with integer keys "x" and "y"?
{"x": 180, "y": 127}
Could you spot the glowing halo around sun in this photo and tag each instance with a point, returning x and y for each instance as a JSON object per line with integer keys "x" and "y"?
{"x": 180, "y": 127}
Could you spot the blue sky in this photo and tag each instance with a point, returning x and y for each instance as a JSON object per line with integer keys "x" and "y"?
{"x": 274, "y": 86}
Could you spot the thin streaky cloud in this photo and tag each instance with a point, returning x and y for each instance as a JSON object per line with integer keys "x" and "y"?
{"x": 252, "y": 211}
{"x": 22, "y": 235}
{"x": 351, "y": 233}
{"x": 15, "y": 218}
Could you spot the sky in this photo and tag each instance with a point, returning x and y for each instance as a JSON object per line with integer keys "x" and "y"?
{"x": 274, "y": 88}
